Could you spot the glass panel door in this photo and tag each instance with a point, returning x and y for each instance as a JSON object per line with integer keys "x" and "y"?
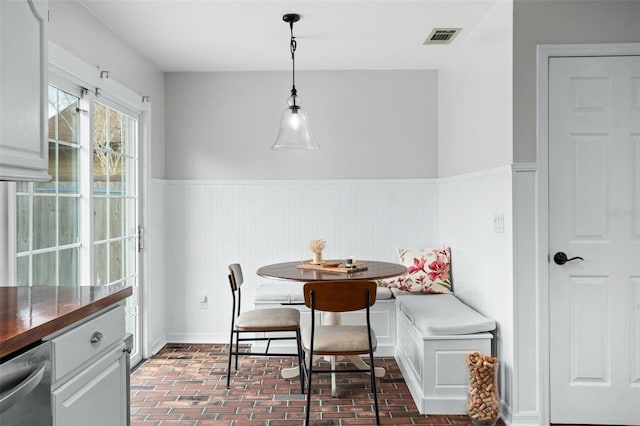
{"x": 81, "y": 228}
{"x": 115, "y": 201}
{"x": 48, "y": 213}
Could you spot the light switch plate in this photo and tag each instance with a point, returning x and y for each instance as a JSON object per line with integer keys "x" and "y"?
{"x": 498, "y": 223}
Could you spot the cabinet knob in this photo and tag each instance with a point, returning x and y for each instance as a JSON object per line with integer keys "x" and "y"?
{"x": 97, "y": 337}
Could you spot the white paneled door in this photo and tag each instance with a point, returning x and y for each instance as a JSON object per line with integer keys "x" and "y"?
{"x": 594, "y": 213}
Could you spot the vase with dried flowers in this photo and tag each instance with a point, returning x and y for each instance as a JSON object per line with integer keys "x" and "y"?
{"x": 316, "y": 247}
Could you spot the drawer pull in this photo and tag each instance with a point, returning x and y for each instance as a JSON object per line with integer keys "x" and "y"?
{"x": 97, "y": 337}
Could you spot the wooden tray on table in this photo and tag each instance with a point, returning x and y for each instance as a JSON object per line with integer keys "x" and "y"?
{"x": 329, "y": 266}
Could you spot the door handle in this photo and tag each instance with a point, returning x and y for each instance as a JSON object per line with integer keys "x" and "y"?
{"x": 561, "y": 258}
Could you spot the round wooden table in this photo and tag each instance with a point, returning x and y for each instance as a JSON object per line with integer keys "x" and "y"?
{"x": 290, "y": 271}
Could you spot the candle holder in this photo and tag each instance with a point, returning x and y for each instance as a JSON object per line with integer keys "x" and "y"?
{"x": 316, "y": 247}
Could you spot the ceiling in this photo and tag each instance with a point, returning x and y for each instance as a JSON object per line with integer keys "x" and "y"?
{"x": 214, "y": 35}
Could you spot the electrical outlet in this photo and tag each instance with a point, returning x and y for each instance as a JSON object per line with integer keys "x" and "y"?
{"x": 203, "y": 302}
{"x": 498, "y": 223}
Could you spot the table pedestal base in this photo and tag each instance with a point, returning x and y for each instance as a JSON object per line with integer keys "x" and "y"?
{"x": 292, "y": 372}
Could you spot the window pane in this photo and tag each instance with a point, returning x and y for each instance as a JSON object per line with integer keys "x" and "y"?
{"x": 115, "y": 131}
{"x": 100, "y": 264}
{"x": 115, "y": 218}
{"x": 100, "y": 155}
{"x": 115, "y": 261}
{"x": 100, "y": 171}
{"x": 44, "y": 222}
{"x": 67, "y": 169}
{"x": 115, "y": 178}
{"x": 23, "y": 206}
{"x": 23, "y": 270}
{"x": 130, "y": 217}
{"x": 129, "y": 176}
{"x": 23, "y": 186}
{"x": 44, "y": 269}
{"x": 129, "y": 136}
{"x": 99, "y": 126}
{"x": 68, "y": 220}
{"x": 69, "y": 273}
{"x": 67, "y": 117}
{"x": 129, "y": 255}
{"x": 99, "y": 218}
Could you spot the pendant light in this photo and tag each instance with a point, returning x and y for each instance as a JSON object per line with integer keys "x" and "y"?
{"x": 294, "y": 130}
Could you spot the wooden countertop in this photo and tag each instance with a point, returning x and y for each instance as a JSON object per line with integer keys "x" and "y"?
{"x": 28, "y": 314}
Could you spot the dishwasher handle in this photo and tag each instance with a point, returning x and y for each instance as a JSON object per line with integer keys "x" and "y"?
{"x": 11, "y": 397}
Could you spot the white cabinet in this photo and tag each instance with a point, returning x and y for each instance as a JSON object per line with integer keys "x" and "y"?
{"x": 96, "y": 395}
{"x": 23, "y": 90}
{"x": 91, "y": 373}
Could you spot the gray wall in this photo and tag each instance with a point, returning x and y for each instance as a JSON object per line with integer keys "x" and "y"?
{"x": 74, "y": 29}
{"x": 369, "y": 124}
{"x": 475, "y": 95}
{"x": 558, "y": 22}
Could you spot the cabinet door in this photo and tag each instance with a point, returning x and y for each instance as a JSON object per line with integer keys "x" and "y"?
{"x": 96, "y": 396}
{"x": 23, "y": 90}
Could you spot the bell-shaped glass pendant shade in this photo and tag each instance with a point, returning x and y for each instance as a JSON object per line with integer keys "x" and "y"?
{"x": 294, "y": 130}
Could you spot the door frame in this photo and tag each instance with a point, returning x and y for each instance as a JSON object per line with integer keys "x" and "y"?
{"x": 545, "y": 53}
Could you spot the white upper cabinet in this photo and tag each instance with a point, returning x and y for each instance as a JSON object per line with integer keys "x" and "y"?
{"x": 23, "y": 90}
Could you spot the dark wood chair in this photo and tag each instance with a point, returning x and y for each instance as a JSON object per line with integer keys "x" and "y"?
{"x": 339, "y": 340}
{"x": 263, "y": 324}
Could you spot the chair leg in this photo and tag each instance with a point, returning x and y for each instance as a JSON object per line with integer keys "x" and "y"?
{"x": 373, "y": 385}
{"x": 300, "y": 358}
{"x": 310, "y": 372}
{"x": 230, "y": 355}
{"x": 237, "y": 349}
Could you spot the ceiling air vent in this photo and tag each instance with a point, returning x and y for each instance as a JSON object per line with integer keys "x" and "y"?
{"x": 442, "y": 35}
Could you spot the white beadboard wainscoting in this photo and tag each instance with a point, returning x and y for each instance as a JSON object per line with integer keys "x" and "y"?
{"x": 481, "y": 252}
{"x": 210, "y": 224}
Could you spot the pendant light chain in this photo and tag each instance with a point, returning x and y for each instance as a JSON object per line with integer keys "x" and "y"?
{"x": 292, "y": 47}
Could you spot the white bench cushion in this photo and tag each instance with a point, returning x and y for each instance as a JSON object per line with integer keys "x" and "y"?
{"x": 280, "y": 292}
{"x": 442, "y": 314}
{"x": 291, "y": 292}
{"x": 383, "y": 293}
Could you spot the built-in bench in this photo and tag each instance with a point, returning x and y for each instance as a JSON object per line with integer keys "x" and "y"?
{"x": 434, "y": 335}
{"x": 383, "y": 313}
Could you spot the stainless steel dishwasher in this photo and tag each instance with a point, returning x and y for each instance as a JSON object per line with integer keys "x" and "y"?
{"x": 25, "y": 387}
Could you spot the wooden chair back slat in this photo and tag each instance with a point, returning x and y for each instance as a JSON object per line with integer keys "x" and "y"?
{"x": 340, "y": 295}
{"x": 235, "y": 275}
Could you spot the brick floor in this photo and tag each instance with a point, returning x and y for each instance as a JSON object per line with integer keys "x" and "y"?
{"x": 185, "y": 384}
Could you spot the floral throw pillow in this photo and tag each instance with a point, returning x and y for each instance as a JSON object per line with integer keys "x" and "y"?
{"x": 428, "y": 271}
